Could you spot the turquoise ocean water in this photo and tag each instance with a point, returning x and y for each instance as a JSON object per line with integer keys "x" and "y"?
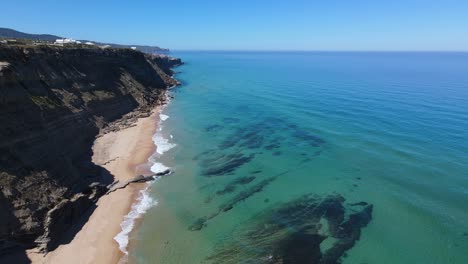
{"x": 318, "y": 157}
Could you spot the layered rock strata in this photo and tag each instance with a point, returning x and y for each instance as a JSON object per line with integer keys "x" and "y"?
{"x": 53, "y": 103}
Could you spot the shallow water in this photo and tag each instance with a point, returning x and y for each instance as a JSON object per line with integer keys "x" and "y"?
{"x": 253, "y": 132}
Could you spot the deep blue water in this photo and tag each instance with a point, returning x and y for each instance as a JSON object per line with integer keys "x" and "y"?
{"x": 256, "y": 131}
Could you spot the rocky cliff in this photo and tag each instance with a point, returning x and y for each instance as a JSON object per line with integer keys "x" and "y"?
{"x": 53, "y": 103}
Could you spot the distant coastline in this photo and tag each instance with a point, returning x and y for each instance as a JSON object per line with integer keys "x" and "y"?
{"x": 7, "y": 33}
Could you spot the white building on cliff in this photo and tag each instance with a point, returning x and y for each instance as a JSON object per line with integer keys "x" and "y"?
{"x": 66, "y": 41}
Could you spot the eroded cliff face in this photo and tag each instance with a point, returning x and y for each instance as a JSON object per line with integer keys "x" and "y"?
{"x": 53, "y": 103}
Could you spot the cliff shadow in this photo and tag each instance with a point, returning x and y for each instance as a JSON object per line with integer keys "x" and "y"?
{"x": 76, "y": 214}
{"x": 76, "y": 227}
{"x": 104, "y": 176}
{"x": 17, "y": 256}
{"x": 10, "y": 250}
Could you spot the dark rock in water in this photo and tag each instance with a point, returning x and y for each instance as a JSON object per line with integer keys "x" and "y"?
{"x": 256, "y": 171}
{"x": 266, "y": 200}
{"x": 201, "y": 222}
{"x": 231, "y": 187}
{"x": 247, "y": 193}
{"x": 212, "y": 157}
{"x": 299, "y": 247}
{"x": 229, "y": 142}
{"x": 358, "y": 178}
{"x": 137, "y": 179}
{"x": 198, "y": 224}
{"x": 225, "y": 164}
{"x": 272, "y": 146}
{"x": 228, "y": 189}
{"x": 212, "y": 128}
{"x": 250, "y": 137}
{"x": 253, "y": 142}
{"x": 349, "y": 233}
{"x": 293, "y": 233}
{"x": 277, "y": 153}
{"x": 359, "y": 204}
{"x": 244, "y": 180}
{"x": 227, "y": 208}
{"x": 163, "y": 173}
{"x": 204, "y": 153}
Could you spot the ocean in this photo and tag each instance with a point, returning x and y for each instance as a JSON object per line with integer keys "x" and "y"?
{"x": 310, "y": 157}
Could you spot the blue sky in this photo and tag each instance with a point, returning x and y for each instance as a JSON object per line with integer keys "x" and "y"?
{"x": 251, "y": 25}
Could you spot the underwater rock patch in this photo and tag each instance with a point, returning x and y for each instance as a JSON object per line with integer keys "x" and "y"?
{"x": 213, "y": 128}
{"x": 308, "y": 138}
{"x": 246, "y": 194}
{"x": 253, "y": 142}
{"x": 272, "y": 146}
{"x": 231, "y": 187}
{"x": 241, "y": 196}
{"x": 204, "y": 153}
{"x": 293, "y": 232}
{"x": 359, "y": 204}
{"x": 243, "y": 137}
{"x": 224, "y": 164}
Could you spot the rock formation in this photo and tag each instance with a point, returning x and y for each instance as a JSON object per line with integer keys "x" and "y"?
{"x": 309, "y": 229}
{"x": 53, "y": 103}
{"x": 137, "y": 179}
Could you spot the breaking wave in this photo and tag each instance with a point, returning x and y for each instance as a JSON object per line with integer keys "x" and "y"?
{"x": 144, "y": 201}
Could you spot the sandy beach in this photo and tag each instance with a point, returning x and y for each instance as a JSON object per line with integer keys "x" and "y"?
{"x": 120, "y": 153}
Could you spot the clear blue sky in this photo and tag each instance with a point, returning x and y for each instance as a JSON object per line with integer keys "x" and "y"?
{"x": 251, "y": 24}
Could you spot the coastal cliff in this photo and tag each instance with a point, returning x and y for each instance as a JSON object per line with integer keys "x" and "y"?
{"x": 53, "y": 103}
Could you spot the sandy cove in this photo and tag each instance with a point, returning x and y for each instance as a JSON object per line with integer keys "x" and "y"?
{"x": 121, "y": 153}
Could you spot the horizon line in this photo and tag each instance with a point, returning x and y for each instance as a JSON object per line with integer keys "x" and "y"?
{"x": 317, "y": 50}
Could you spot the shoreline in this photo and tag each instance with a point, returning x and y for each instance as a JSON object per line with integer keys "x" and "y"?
{"x": 124, "y": 153}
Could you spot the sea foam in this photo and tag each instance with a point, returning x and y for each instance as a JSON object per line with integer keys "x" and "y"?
{"x": 162, "y": 143}
{"x": 158, "y": 167}
{"x": 163, "y": 117}
{"x": 144, "y": 201}
{"x": 142, "y": 204}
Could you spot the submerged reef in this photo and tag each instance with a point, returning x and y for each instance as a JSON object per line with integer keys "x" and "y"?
{"x": 221, "y": 164}
{"x": 231, "y": 186}
{"x": 201, "y": 222}
{"x": 244, "y": 142}
{"x": 239, "y": 147}
{"x": 310, "y": 229}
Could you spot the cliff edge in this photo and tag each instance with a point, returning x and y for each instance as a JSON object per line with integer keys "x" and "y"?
{"x": 53, "y": 103}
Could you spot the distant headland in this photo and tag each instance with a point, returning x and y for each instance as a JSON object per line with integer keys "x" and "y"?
{"x": 7, "y": 34}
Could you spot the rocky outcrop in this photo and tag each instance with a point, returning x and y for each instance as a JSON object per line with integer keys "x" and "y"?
{"x": 53, "y": 103}
{"x": 165, "y": 63}
{"x": 137, "y": 179}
